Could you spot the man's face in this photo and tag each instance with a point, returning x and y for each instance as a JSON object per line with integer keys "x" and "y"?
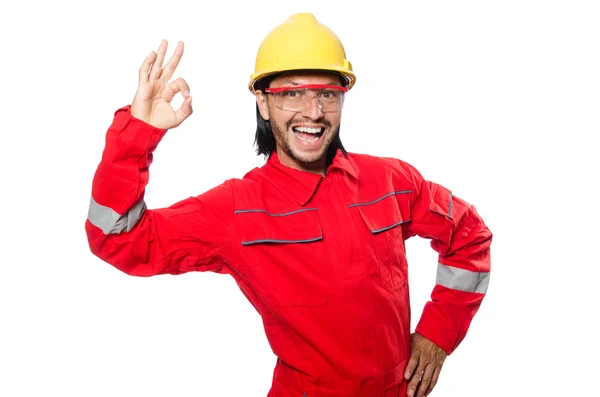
{"x": 297, "y": 144}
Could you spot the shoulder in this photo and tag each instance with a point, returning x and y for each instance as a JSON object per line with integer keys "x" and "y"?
{"x": 378, "y": 166}
{"x": 249, "y": 186}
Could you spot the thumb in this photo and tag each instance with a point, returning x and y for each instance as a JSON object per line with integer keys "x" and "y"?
{"x": 185, "y": 110}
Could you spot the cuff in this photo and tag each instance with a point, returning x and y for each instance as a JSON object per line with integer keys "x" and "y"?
{"x": 438, "y": 328}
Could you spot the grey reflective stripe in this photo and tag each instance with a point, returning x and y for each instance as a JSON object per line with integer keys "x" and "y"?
{"x": 381, "y": 198}
{"x": 462, "y": 280}
{"x": 270, "y": 214}
{"x": 450, "y": 207}
{"x": 389, "y": 227}
{"x": 281, "y": 241}
{"x": 112, "y": 222}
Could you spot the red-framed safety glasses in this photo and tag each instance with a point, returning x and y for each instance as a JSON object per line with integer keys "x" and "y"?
{"x": 330, "y": 98}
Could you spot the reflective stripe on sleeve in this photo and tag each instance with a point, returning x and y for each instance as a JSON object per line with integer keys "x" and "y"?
{"x": 462, "y": 280}
{"x": 112, "y": 222}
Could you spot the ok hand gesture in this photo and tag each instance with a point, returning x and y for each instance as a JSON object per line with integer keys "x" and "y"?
{"x": 152, "y": 101}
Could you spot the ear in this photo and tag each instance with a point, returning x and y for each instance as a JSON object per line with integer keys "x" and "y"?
{"x": 261, "y": 101}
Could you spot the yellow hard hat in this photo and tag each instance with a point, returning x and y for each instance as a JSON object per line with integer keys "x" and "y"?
{"x": 301, "y": 43}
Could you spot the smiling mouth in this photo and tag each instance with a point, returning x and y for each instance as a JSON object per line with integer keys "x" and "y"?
{"x": 308, "y": 134}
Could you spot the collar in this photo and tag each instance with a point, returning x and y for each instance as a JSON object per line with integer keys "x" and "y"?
{"x": 301, "y": 185}
{"x": 343, "y": 163}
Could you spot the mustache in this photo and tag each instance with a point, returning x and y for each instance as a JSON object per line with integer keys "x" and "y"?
{"x": 326, "y": 123}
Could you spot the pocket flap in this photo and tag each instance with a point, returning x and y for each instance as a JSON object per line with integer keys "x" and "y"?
{"x": 261, "y": 226}
{"x": 382, "y": 214}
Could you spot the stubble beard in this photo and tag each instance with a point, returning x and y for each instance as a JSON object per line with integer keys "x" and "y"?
{"x": 283, "y": 140}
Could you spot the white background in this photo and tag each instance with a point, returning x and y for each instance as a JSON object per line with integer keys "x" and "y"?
{"x": 498, "y": 101}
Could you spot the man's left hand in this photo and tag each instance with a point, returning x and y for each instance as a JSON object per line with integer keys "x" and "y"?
{"x": 424, "y": 366}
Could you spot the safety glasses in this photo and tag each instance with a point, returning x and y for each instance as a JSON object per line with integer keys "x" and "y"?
{"x": 330, "y": 98}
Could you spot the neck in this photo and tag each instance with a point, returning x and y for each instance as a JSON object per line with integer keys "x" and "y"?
{"x": 318, "y": 167}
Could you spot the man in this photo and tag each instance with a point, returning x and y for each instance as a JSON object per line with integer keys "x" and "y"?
{"x": 314, "y": 238}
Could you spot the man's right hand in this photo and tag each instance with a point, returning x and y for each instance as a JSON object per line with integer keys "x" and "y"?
{"x": 152, "y": 101}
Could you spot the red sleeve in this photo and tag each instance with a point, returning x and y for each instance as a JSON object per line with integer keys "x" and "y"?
{"x": 462, "y": 240}
{"x": 193, "y": 234}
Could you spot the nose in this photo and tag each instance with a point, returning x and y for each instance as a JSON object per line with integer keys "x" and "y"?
{"x": 313, "y": 109}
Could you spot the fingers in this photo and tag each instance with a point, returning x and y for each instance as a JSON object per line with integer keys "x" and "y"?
{"x": 411, "y": 366}
{"x": 152, "y": 68}
{"x": 425, "y": 381}
{"x": 424, "y": 366}
{"x": 156, "y": 71}
{"x": 413, "y": 373}
{"x": 145, "y": 68}
{"x": 434, "y": 379}
{"x": 179, "y": 85}
{"x": 414, "y": 381}
{"x": 170, "y": 67}
{"x": 184, "y": 111}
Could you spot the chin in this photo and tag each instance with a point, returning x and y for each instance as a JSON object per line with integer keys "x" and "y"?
{"x": 308, "y": 158}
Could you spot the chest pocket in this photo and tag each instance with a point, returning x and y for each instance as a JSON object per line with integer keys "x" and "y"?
{"x": 383, "y": 219}
{"x": 283, "y": 256}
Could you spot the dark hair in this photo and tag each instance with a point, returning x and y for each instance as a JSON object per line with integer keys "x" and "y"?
{"x": 264, "y": 139}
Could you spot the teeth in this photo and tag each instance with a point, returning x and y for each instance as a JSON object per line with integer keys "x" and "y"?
{"x": 308, "y": 140}
{"x": 308, "y": 130}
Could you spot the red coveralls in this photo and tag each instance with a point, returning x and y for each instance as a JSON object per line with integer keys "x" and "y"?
{"x": 321, "y": 259}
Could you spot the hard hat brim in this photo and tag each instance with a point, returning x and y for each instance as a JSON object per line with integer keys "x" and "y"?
{"x": 345, "y": 73}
